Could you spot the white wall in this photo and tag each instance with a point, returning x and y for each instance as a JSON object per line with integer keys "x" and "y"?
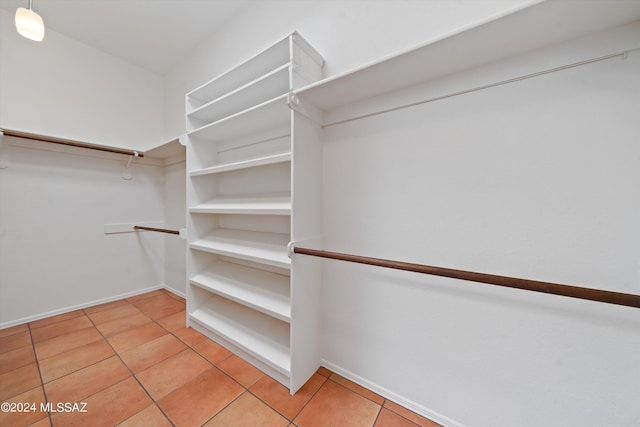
{"x": 54, "y": 203}
{"x": 63, "y": 88}
{"x": 535, "y": 179}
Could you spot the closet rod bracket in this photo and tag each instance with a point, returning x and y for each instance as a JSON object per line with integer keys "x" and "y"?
{"x": 126, "y": 169}
{"x": 304, "y": 108}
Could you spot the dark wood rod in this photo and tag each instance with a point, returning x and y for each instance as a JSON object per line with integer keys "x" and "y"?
{"x": 610, "y": 297}
{"x": 159, "y": 230}
{"x": 69, "y": 142}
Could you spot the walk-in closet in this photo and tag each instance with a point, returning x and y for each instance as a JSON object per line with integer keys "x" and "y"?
{"x": 364, "y": 213}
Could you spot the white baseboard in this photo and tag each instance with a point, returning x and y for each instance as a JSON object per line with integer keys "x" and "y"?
{"x": 394, "y": 397}
{"x": 84, "y": 305}
{"x": 174, "y": 291}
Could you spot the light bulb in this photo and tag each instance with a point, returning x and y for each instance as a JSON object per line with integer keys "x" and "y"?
{"x": 29, "y": 24}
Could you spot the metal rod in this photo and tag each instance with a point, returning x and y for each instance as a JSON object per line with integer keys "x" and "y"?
{"x": 69, "y": 142}
{"x": 159, "y": 230}
{"x": 622, "y": 54}
{"x": 610, "y": 297}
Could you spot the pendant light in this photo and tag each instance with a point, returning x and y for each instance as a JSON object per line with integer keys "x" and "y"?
{"x": 29, "y": 24}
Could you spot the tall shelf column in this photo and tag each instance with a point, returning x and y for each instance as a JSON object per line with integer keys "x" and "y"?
{"x": 253, "y": 186}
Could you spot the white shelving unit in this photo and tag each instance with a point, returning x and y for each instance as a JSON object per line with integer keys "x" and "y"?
{"x": 253, "y": 186}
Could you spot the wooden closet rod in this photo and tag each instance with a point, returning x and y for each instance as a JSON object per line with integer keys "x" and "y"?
{"x": 62, "y": 141}
{"x": 159, "y": 230}
{"x": 610, "y": 297}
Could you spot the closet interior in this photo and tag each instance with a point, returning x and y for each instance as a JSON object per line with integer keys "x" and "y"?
{"x": 507, "y": 147}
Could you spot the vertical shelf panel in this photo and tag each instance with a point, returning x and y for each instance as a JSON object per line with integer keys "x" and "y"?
{"x": 306, "y": 226}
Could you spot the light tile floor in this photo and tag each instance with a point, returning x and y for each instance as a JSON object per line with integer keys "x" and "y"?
{"x": 134, "y": 363}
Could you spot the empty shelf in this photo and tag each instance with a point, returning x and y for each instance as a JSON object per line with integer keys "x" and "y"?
{"x": 258, "y": 289}
{"x": 264, "y": 204}
{"x": 238, "y": 76}
{"x": 246, "y": 163}
{"x": 272, "y": 114}
{"x": 264, "y": 248}
{"x": 262, "y": 89}
{"x": 263, "y": 337}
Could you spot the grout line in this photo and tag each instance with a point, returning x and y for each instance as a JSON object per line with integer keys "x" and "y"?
{"x": 311, "y": 398}
{"x": 35, "y": 356}
{"x": 405, "y": 418}
{"x": 56, "y": 322}
{"x": 378, "y": 414}
{"x": 303, "y": 406}
{"x": 202, "y": 355}
{"x": 357, "y": 392}
{"x": 117, "y": 354}
{"x": 274, "y": 409}
{"x": 129, "y": 369}
{"x": 214, "y": 365}
{"x": 15, "y": 333}
{"x": 190, "y": 347}
{"x": 225, "y": 406}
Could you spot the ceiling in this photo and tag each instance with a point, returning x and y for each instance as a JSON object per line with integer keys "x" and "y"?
{"x": 153, "y": 34}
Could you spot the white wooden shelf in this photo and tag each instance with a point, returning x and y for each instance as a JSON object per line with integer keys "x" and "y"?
{"x": 271, "y": 114}
{"x": 269, "y": 86}
{"x": 266, "y": 292}
{"x": 243, "y": 164}
{"x": 263, "y": 204}
{"x": 261, "y": 247}
{"x": 470, "y": 47}
{"x": 259, "y": 65}
{"x": 262, "y": 336}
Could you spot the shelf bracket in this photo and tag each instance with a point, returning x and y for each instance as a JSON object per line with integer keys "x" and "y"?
{"x": 127, "y": 174}
{"x": 290, "y": 248}
{"x": 183, "y": 234}
{"x": 4, "y": 151}
{"x": 305, "y": 109}
{"x": 310, "y": 242}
